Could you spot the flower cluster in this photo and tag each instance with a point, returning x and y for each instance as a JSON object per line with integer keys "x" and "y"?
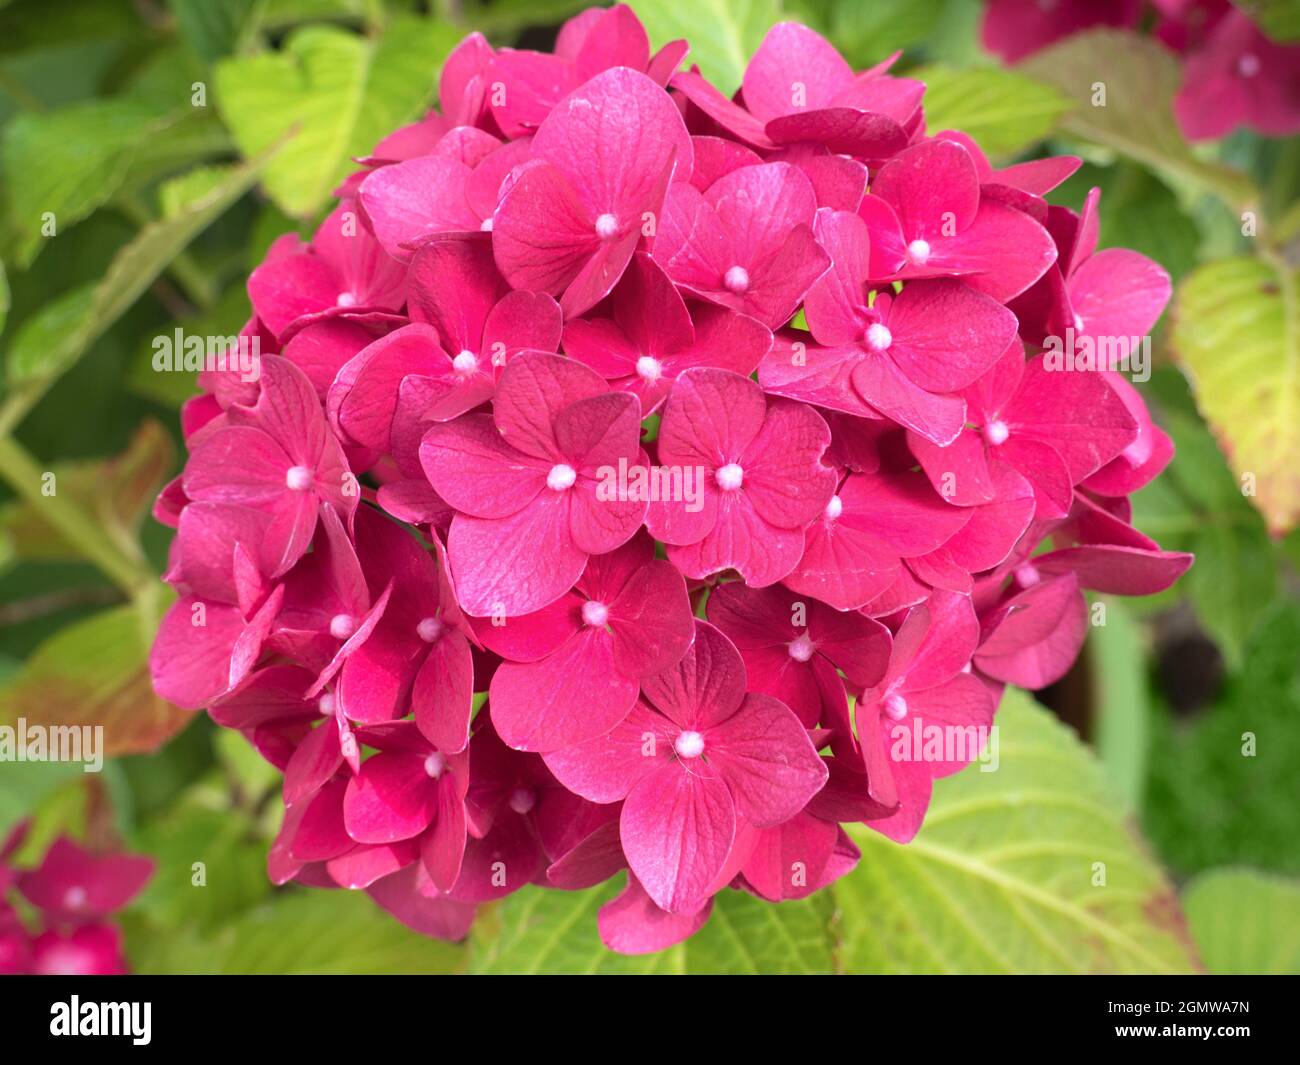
{"x": 1233, "y": 74}
{"x": 550, "y": 543}
{"x": 74, "y": 892}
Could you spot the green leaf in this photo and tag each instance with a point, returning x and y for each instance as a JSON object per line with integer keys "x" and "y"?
{"x": 55, "y": 338}
{"x": 23, "y": 785}
{"x": 1196, "y": 505}
{"x": 1279, "y": 19}
{"x": 1117, "y": 654}
{"x": 1139, "y": 77}
{"x": 1221, "y": 789}
{"x": 95, "y": 672}
{"x": 723, "y": 34}
{"x": 339, "y": 92}
{"x": 4, "y": 297}
{"x": 868, "y": 33}
{"x": 1003, "y": 110}
{"x": 211, "y": 27}
{"x": 1245, "y": 922}
{"x": 313, "y": 932}
{"x": 541, "y": 931}
{"x": 116, "y": 492}
{"x": 1237, "y": 335}
{"x": 230, "y": 879}
{"x": 62, "y": 165}
{"x": 1003, "y": 875}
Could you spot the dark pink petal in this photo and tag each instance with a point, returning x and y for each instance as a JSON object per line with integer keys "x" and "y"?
{"x": 571, "y": 696}
{"x": 677, "y": 828}
{"x": 392, "y": 798}
{"x": 705, "y": 688}
{"x": 476, "y": 471}
{"x": 516, "y": 564}
{"x": 769, "y": 764}
{"x": 442, "y": 695}
{"x": 410, "y": 201}
{"x": 631, "y": 923}
{"x": 1039, "y": 635}
{"x": 793, "y": 59}
{"x": 411, "y": 897}
{"x": 71, "y": 884}
{"x": 604, "y": 769}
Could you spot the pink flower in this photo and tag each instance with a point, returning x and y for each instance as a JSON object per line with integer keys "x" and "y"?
{"x": 650, "y": 336}
{"x": 602, "y": 161}
{"x": 1239, "y": 78}
{"x": 343, "y": 272}
{"x": 72, "y": 886}
{"x": 927, "y": 218}
{"x": 1017, "y": 28}
{"x": 910, "y": 352}
{"x": 746, "y": 242}
{"x": 1054, "y": 428}
{"x": 525, "y": 483}
{"x": 759, "y": 473}
{"x": 629, "y": 618}
{"x": 793, "y": 647}
{"x": 853, "y": 552}
{"x": 689, "y": 762}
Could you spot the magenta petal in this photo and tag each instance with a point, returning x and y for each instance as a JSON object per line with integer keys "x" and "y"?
{"x": 516, "y": 564}
{"x": 409, "y": 896}
{"x": 476, "y": 471}
{"x": 569, "y": 697}
{"x": 764, "y": 755}
{"x": 1039, "y": 635}
{"x": 391, "y": 799}
{"x": 409, "y": 201}
{"x": 606, "y": 768}
{"x": 879, "y": 381}
{"x": 677, "y": 828}
{"x": 443, "y": 693}
{"x": 631, "y": 923}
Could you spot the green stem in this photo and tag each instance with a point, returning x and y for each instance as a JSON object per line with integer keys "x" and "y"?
{"x": 199, "y": 288}
{"x": 75, "y": 526}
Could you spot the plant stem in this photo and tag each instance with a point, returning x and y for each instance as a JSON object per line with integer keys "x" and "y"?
{"x": 77, "y": 527}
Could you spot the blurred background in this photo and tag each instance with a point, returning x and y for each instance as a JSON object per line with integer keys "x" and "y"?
{"x": 136, "y": 199}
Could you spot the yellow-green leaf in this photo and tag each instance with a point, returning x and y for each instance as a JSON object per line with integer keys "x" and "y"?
{"x": 1237, "y": 335}
{"x": 1003, "y": 110}
{"x": 1245, "y": 922}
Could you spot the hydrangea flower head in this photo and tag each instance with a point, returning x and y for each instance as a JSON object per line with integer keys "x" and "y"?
{"x": 609, "y": 354}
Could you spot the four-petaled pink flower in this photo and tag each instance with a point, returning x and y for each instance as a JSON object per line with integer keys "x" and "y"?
{"x": 695, "y": 758}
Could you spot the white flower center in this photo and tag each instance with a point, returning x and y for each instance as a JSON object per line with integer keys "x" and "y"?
{"x": 486, "y": 225}
{"x": 1248, "y": 65}
{"x": 606, "y": 226}
{"x": 595, "y": 614}
{"x": 522, "y": 800}
{"x": 996, "y": 432}
{"x": 299, "y": 478}
{"x": 834, "y": 508}
{"x": 801, "y": 648}
{"x": 562, "y": 476}
{"x": 689, "y": 745}
{"x": 896, "y": 707}
{"x": 918, "y": 252}
{"x": 465, "y": 362}
{"x": 435, "y": 764}
{"x": 729, "y": 477}
{"x": 879, "y": 337}
{"x": 1027, "y": 575}
{"x": 736, "y": 279}
{"x": 346, "y": 299}
{"x": 429, "y": 629}
{"x": 342, "y": 626}
{"x": 75, "y": 898}
{"x": 326, "y": 704}
{"x": 648, "y": 367}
